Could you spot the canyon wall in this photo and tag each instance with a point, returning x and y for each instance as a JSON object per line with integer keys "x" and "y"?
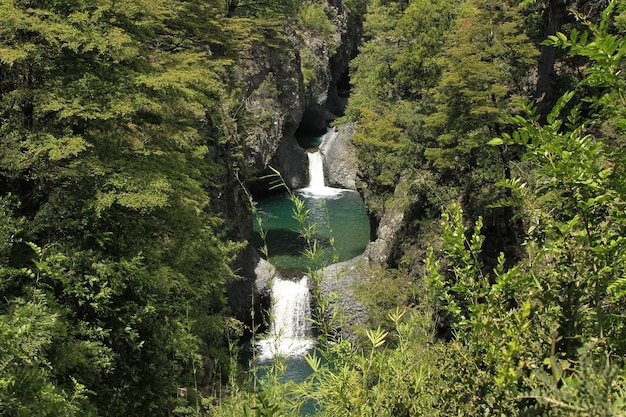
{"x": 292, "y": 79}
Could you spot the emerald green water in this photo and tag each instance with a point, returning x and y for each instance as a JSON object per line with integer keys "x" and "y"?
{"x": 341, "y": 232}
{"x": 341, "y": 217}
{"x": 307, "y": 141}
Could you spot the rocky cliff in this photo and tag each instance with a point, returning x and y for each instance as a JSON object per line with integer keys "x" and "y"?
{"x": 340, "y": 160}
{"x": 288, "y": 81}
{"x": 292, "y": 82}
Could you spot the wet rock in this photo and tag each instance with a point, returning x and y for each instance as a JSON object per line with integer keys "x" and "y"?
{"x": 340, "y": 160}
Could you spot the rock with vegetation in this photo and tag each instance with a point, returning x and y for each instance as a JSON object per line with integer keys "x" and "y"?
{"x": 340, "y": 161}
{"x": 268, "y": 73}
{"x": 393, "y": 224}
{"x": 284, "y": 79}
{"x": 337, "y": 284}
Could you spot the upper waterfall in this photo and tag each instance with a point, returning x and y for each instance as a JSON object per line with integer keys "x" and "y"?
{"x": 317, "y": 184}
{"x": 316, "y": 172}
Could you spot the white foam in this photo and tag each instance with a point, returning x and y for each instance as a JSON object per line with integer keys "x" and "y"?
{"x": 290, "y": 327}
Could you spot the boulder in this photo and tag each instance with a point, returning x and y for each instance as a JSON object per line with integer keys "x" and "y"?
{"x": 337, "y": 284}
{"x": 340, "y": 160}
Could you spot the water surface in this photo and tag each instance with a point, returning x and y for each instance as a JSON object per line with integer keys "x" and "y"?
{"x": 341, "y": 228}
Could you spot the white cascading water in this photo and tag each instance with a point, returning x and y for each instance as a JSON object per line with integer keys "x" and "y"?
{"x": 316, "y": 172}
{"x": 317, "y": 185}
{"x": 290, "y": 328}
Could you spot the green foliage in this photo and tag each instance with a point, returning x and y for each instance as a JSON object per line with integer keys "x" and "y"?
{"x": 397, "y": 64}
{"x": 488, "y": 56}
{"x": 594, "y": 386}
{"x": 574, "y": 208}
{"x": 604, "y": 49}
{"x": 381, "y": 145}
{"x": 400, "y": 59}
{"x": 382, "y": 292}
{"x": 378, "y": 381}
{"x": 30, "y": 327}
{"x": 443, "y": 77}
{"x": 315, "y": 19}
{"x": 575, "y": 173}
{"x": 498, "y": 321}
{"x": 108, "y": 113}
{"x": 266, "y": 8}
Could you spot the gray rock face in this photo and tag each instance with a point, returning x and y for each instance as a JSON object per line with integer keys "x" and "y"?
{"x": 316, "y": 58}
{"x": 381, "y": 250}
{"x": 291, "y": 83}
{"x": 340, "y": 160}
{"x": 337, "y": 283}
{"x": 293, "y": 162}
{"x": 272, "y": 103}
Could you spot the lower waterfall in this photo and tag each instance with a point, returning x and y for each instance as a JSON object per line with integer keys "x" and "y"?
{"x": 290, "y": 328}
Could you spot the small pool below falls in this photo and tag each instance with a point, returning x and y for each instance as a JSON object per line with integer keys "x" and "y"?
{"x": 342, "y": 228}
{"x": 341, "y": 216}
{"x": 342, "y": 231}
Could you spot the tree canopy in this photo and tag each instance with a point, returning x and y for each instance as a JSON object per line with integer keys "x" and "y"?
{"x": 113, "y": 259}
{"x": 506, "y": 298}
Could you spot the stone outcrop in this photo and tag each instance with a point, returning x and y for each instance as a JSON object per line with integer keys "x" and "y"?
{"x": 382, "y": 250}
{"x": 292, "y": 81}
{"x": 326, "y": 62}
{"x": 340, "y": 160}
{"x": 272, "y": 101}
{"x": 292, "y": 162}
{"x": 337, "y": 284}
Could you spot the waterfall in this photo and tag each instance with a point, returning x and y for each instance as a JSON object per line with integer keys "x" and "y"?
{"x": 316, "y": 172}
{"x": 317, "y": 185}
{"x": 290, "y": 327}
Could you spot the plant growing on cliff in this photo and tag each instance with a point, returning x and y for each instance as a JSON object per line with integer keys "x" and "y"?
{"x": 312, "y": 17}
{"x": 399, "y": 62}
{"x": 320, "y": 42}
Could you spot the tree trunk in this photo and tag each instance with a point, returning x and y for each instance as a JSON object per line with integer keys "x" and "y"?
{"x": 546, "y": 78}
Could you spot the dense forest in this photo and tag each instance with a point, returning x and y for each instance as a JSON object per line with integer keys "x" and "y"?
{"x": 499, "y": 125}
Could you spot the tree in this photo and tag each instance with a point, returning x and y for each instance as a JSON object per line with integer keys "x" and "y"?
{"x": 574, "y": 172}
{"x": 487, "y": 59}
{"x": 391, "y": 76}
{"x": 105, "y": 186}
